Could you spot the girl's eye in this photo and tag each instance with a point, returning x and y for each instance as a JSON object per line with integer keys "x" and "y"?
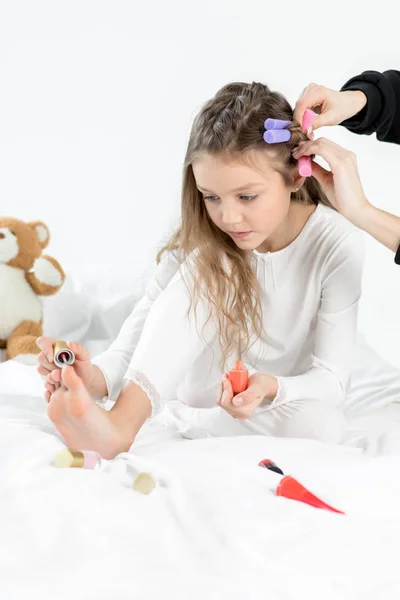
{"x": 248, "y": 198}
{"x": 244, "y": 198}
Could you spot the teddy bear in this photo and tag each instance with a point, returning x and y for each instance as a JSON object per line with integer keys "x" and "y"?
{"x": 25, "y": 274}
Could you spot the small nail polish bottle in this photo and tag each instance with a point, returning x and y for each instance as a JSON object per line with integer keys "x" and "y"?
{"x": 238, "y": 377}
{"x": 63, "y": 355}
{"x": 83, "y": 459}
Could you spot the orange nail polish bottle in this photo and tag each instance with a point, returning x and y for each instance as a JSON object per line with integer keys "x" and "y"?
{"x": 238, "y": 377}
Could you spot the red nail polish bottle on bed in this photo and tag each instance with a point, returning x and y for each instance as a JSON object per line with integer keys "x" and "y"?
{"x": 238, "y": 377}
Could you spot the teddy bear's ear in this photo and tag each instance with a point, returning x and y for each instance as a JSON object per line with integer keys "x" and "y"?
{"x": 42, "y": 232}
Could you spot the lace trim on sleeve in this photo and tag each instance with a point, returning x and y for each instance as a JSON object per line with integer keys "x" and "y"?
{"x": 147, "y": 387}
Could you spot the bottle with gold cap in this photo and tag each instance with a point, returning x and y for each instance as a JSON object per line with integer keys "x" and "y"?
{"x": 144, "y": 483}
{"x": 62, "y": 354}
{"x": 81, "y": 459}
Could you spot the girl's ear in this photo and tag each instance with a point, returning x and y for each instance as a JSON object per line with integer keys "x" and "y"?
{"x": 298, "y": 183}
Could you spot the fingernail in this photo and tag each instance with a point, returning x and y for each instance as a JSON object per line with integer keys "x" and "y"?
{"x": 295, "y": 150}
{"x": 238, "y": 401}
{"x": 310, "y": 132}
{"x": 49, "y": 357}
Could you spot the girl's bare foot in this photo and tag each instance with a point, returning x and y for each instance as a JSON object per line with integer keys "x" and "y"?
{"x": 82, "y": 423}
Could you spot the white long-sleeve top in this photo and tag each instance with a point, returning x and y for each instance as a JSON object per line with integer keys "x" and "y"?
{"x": 310, "y": 292}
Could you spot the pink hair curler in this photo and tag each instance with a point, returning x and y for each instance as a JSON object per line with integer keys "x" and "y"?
{"x": 305, "y": 163}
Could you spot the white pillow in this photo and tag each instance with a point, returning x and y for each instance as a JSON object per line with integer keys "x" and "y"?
{"x": 67, "y": 314}
{"x": 94, "y": 302}
{"x": 374, "y": 382}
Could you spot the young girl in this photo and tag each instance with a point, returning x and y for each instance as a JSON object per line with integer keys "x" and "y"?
{"x": 259, "y": 267}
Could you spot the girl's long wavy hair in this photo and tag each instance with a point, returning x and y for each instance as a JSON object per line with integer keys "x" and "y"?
{"x": 232, "y": 124}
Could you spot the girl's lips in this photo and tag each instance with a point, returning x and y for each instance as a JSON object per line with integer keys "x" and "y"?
{"x": 239, "y": 234}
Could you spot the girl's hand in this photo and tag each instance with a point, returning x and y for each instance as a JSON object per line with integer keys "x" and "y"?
{"x": 243, "y": 405}
{"x": 51, "y": 374}
{"x": 334, "y": 107}
{"x": 342, "y": 183}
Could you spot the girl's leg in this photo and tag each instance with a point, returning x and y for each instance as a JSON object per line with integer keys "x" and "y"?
{"x": 85, "y": 425}
{"x": 306, "y": 419}
{"x": 169, "y": 346}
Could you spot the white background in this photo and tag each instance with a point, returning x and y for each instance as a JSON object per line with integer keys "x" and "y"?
{"x": 97, "y": 100}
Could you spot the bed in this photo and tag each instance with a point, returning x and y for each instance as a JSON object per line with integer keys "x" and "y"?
{"x": 213, "y": 527}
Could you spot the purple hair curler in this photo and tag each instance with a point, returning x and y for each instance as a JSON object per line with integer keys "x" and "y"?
{"x": 277, "y": 136}
{"x": 271, "y": 124}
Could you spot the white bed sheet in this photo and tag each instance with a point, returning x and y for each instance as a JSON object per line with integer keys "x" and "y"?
{"x": 212, "y": 529}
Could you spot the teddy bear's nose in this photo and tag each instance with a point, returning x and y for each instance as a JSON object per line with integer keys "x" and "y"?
{"x": 2, "y": 236}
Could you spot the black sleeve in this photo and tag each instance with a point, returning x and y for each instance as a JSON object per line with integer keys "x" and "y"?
{"x": 382, "y": 111}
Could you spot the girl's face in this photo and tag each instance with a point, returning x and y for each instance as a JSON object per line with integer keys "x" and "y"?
{"x": 250, "y": 204}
